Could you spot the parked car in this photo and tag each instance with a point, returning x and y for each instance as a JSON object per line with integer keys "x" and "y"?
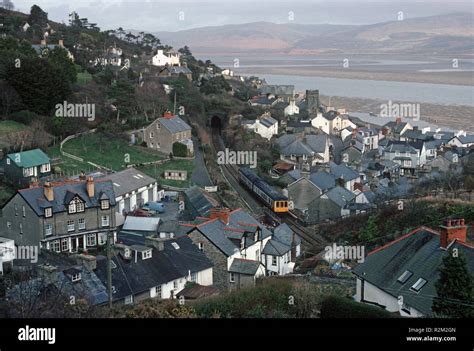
{"x": 140, "y": 213}
{"x": 154, "y": 207}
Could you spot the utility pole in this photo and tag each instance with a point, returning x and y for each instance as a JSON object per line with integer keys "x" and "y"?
{"x": 174, "y": 107}
{"x": 109, "y": 268}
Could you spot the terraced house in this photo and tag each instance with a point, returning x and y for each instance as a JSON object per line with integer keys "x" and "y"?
{"x": 21, "y": 168}
{"x": 65, "y": 217}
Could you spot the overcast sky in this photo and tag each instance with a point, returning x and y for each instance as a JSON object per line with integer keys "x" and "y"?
{"x": 164, "y": 15}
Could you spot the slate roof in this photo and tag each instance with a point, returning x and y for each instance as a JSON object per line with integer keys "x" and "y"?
{"x": 30, "y": 158}
{"x": 343, "y": 171}
{"x": 340, "y": 196}
{"x": 400, "y": 146}
{"x": 268, "y": 121}
{"x": 295, "y": 144}
{"x": 201, "y": 203}
{"x": 128, "y": 180}
{"x": 466, "y": 139}
{"x": 395, "y": 127}
{"x": 130, "y": 278}
{"x": 284, "y": 234}
{"x": 221, "y": 235}
{"x": 174, "y": 124}
{"x": 418, "y": 252}
{"x": 278, "y": 89}
{"x": 148, "y": 224}
{"x": 302, "y": 192}
{"x": 275, "y": 248}
{"x": 63, "y": 192}
{"x": 323, "y": 180}
{"x": 178, "y": 70}
{"x": 243, "y": 266}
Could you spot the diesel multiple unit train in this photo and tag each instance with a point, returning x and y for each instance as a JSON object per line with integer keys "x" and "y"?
{"x": 272, "y": 198}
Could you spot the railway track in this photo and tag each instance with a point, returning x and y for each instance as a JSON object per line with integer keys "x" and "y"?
{"x": 230, "y": 173}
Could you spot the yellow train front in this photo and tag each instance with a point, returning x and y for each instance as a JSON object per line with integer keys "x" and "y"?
{"x": 272, "y": 198}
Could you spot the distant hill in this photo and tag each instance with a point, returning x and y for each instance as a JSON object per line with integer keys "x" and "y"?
{"x": 427, "y": 35}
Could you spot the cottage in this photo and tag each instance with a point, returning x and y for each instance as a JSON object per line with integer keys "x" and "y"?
{"x": 303, "y": 150}
{"x": 169, "y": 58}
{"x": 158, "y": 268}
{"x": 395, "y": 275}
{"x": 162, "y": 133}
{"x": 332, "y": 122}
{"x": 23, "y": 168}
{"x": 265, "y": 126}
{"x": 43, "y": 49}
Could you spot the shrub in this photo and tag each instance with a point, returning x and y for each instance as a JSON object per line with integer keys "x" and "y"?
{"x": 180, "y": 150}
{"x": 340, "y": 307}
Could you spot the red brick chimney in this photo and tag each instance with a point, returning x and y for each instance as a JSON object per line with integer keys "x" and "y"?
{"x": 452, "y": 229}
{"x": 222, "y": 213}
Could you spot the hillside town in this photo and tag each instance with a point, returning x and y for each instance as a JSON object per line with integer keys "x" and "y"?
{"x": 169, "y": 179}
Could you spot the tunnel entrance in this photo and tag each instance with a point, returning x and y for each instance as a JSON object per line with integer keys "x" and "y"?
{"x": 216, "y": 124}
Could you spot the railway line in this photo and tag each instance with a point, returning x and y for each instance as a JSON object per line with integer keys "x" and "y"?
{"x": 230, "y": 173}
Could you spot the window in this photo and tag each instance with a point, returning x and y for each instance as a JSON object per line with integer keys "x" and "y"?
{"x": 91, "y": 240}
{"x": 28, "y": 172}
{"x": 129, "y": 300}
{"x": 105, "y": 221}
{"x": 48, "y": 212}
{"x": 76, "y": 205}
{"x": 76, "y": 277}
{"x": 152, "y": 135}
{"x": 64, "y": 245}
{"x": 158, "y": 291}
{"x": 194, "y": 277}
{"x": 48, "y": 229}
{"x": 45, "y": 168}
{"x": 8, "y": 161}
{"x": 146, "y": 254}
{"x": 55, "y": 246}
{"x": 201, "y": 246}
{"x": 104, "y": 204}
{"x": 232, "y": 277}
{"x": 81, "y": 223}
{"x": 257, "y": 254}
{"x": 70, "y": 225}
{"x": 9, "y": 224}
{"x": 21, "y": 228}
{"x": 175, "y": 285}
{"x": 418, "y": 285}
{"x": 23, "y": 210}
{"x": 16, "y": 209}
{"x": 274, "y": 260}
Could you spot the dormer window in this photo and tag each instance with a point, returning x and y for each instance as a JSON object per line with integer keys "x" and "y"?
{"x": 146, "y": 254}
{"x": 48, "y": 212}
{"x": 76, "y": 205}
{"x": 76, "y": 277}
{"x": 104, "y": 204}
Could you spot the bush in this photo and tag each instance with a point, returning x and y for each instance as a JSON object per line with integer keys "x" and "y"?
{"x": 180, "y": 150}
{"x": 340, "y": 307}
{"x": 25, "y": 117}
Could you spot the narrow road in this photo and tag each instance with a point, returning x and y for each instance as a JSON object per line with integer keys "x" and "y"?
{"x": 200, "y": 174}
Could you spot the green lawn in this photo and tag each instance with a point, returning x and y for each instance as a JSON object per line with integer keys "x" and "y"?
{"x": 83, "y": 78}
{"x": 114, "y": 153}
{"x": 156, "y": 171}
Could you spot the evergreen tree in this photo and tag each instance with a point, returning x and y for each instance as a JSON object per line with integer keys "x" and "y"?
{"x": 454, "y": 288}
{"x": 38, "y": 17}
{"x": 370, "y": 230}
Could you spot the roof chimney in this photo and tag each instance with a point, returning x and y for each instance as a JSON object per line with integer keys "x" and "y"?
{"x": 157, "y": 243}
{"x": 48, "y": 191}
{"x": 88, "y": 261}
{"x": 452, "y": 229}
{"x": 90, "y": 186}
{"x": 48, "y": 272}
{"x": 168, "y": 115}
{"x": 61, "y": 42}
{"x": 82, "y": 176}
{"x": 398, "y": 120}
{"x": 43, "y": 42}
{"x": 222, "y": 213}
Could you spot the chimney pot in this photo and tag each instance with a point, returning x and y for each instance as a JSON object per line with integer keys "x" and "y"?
{"x": 454, "y": 229}
{"x": 222, "y": 213}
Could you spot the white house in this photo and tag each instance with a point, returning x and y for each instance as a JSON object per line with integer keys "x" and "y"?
{"x": 265, "y": 126}
{"x": 170, "y": 58}
{"x": 332, "y": 122}
{"x": 291, "y": 109}
{"x": 227, "y": 72}
{"x": 396, "y": 275}
{"x": 462, "y": 140}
